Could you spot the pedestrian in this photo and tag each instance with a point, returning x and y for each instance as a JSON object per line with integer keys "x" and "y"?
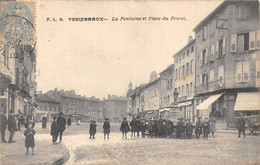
{"x": 143, "y": 127}
{"x": 168, "y": 127}
{"x": 44, "y": 122}
{"x": 161, "y": 126}
{"x": 198, "y": 128}
{"x": 241, "y": 123}
{"x": 106, "y": 127}
{"x": 133, "y": 125}
{"x": 69, "y": 122}
{"x": 61, "y": 123}
{"x": 4, "y": 123}
{"x": 206, "y": 129}
{"x": 155, "y": 126}
{"x": 20, "y": 119}
{"x": 92, "y": 129}
{"x": 189, "y": 129}
{"x": 29, "y": 120}
{"x": 180, "y": 128}
{"x": 150, "y": 127}
{"x": 29, "y": 138}
{"x": 124, "y": 128}
{"x": 138, "y": 125}
{"x": 54, "y": 130}
{"x": 11, "y": 126}
{"x": 212, "y": 124}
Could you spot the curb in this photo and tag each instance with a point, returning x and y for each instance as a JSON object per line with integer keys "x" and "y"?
{"x": 63, "y": 159}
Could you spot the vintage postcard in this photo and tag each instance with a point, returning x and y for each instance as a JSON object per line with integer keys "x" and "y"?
{"x": 129, "y": 82}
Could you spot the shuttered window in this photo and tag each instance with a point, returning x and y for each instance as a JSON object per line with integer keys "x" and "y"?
{"x": 233, "y": 43}
{"x": 252, "y": 41}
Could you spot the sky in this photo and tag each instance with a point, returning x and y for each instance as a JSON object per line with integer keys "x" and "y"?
{"x": 101, "y": 57}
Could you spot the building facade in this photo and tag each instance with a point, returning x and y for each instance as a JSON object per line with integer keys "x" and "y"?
{"x": 115, "y": 108}
{"x": 17, "y": 78}
{"x": 166, "y": 91}
{"x": 184, "y": 77}
{"x": 227, "y": 60}
{"x": 46, "y": 106}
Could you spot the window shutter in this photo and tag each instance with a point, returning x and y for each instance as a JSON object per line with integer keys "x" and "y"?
{"x": 233, "y": 43}
{"x": 239, "y": 72}
{"x": 258, "y": 40}
{"x": 252, "y": 41}
{"x": 201, "y": 58}
{"x": 221, "y": 74}
{"x": 246, "y": 71}
{"x": 212, "y": 51}
{"x": 206, "y": 58}
{"x": 224, "y": 46}
{"x": 217, "y": 51}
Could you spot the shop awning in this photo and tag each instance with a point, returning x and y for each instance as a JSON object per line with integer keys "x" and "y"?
{"x": 184, "y": 104}
{"x": 248, "y": 101}
{"x": 205, "y": 104}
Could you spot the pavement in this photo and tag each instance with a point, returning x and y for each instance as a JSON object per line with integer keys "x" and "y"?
{"x": 45, "y": 152}
{"x": 77, "y": 148}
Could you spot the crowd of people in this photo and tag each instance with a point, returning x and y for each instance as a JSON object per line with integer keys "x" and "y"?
{"x": 152, "y": 127}
{"x": 164, "y": 127}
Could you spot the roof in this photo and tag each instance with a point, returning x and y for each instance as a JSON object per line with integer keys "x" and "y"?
{"x": 223, "y": 4}
{"x": 151, "y": 83}
{"x": 185, "y": 47}
{"x": 45, "y": 98}
{"x": 169, "y": 67}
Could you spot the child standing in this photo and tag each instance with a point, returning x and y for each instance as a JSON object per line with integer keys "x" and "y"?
{"x": 54, "y": 130}
{"x": 124, "y": 128}
{"x": 29, "y": 138}
{"x": 106, "y": 127}
{"x": 92, "y": 130}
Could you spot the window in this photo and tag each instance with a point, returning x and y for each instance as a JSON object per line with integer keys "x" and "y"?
{"x": 171, "y": 84}
{"x": 242, "y": 12}
{"x": 258, "y": 73}
{"x": 180, "y": 59}
{"x": 243, "y": 72}
{"x": 221, "y": 74}
{"x": 183, "y": 55}
{"x": 188, "y": 52}
{"x": 168, "y": 100}
{"x": 191, "y": 64}
{"x": 243, "y": 42}
{"x": 233, "y": 43}
{"x": 191, "y": 89}
{"x": 182, "y": 91}
{"x": 187, "y": 67}
{"x": 204, "y": 79}
{"x": 252, "y": 41}
{"x": 179, "y": 72}
{"x": 211, "y": 75}
{"x": 222, "y": 47}
{"x": 176, "y": 60}
{"x": 192, "y": 49}
{"x": 183, "y": 70}
{"x": 258, "y": 39}
{"x": 212, "y": 51}
{"x": 205, "y": 32}
{"x": 187, "y": 90}
{"x": 204, "y": 57}
{"x": 176, "y": 74}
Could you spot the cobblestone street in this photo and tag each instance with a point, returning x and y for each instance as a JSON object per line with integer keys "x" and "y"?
{"x": 225, "y": 148}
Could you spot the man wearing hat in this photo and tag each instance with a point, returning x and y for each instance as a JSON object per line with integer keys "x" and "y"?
{"x": 138, "y": 125}
{"x": 155, "y": 126}
{"x": 106, "y": 127}
{"x": 133, "y": 125}
{"x": 11, "y": 126}
{"x": 61, "y": 123}
{"x": 241, "y": 123}
{"x": 198, "y": 128}
{"x": 4, "y": 123}
{"x": 161, "y": 126}
{"x": 180, "y": 128}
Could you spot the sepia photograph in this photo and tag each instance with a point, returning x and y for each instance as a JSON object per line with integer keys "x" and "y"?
{"x": 129, "y": 82}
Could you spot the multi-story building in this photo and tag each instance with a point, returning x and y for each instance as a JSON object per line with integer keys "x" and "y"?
{"x": 184, "y": 77}
{"x": 227, "y": 61}
{"x": 166, "y": 91}
{"x": 46, "y": 106}
{"x": 115, "y": 108}
{"x": 17, "y": 78}
{"x": 93, "y": 110}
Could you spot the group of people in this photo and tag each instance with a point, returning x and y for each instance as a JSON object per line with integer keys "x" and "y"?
{"x": 165, "y": 127}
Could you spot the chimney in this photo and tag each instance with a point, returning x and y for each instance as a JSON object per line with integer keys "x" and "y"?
{"x": 190, "y": 38}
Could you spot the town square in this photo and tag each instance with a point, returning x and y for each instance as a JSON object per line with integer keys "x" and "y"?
{"x": 129, "y": 82}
